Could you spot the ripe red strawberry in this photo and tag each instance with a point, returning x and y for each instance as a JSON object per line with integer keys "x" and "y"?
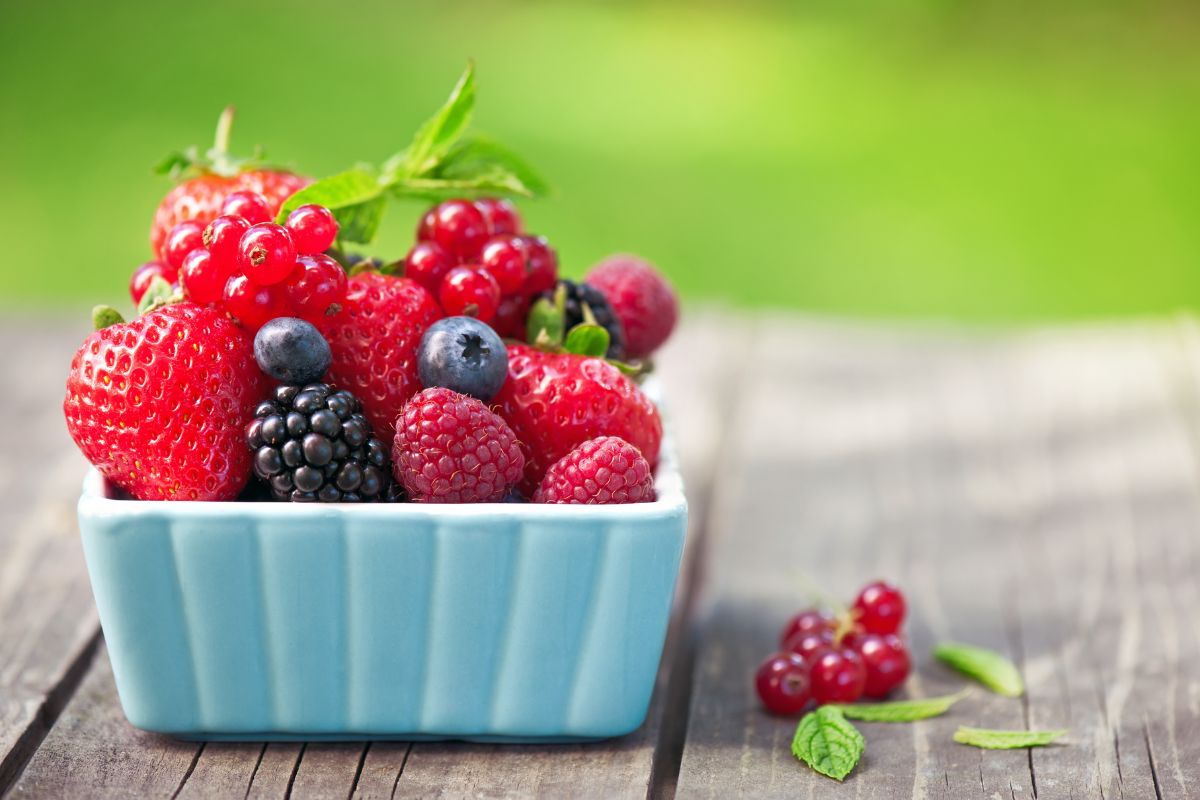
{"x": 642, "y": 299}
{"x": 374, "y": 341}
{"x": 600, "y": 471}
{"x": 158, "y": 404}
{"x": 450, "y": 448}
{"x": 201, "y": 198}
{"x": 556, "y": 401}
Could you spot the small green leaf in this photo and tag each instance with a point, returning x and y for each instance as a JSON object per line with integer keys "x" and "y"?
{"x": 902, "y": 710}
{"x": 827, "y": 742}
{"x": 1005, "y": 740}
{"x": 546, "y": 320}
{"x": 104, "y": 316}
{"x": 355, "y": 197}
{"x": 587, "y": 340}
{"x": 986, "y": 666}
{"x": 495, "y": 181}
{"x": 158, "y": 293}
{"x": 482, "y": 159}
{"x": 438, "y": 134}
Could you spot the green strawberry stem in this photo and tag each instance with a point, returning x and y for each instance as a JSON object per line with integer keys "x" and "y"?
{"x": 104, "y": 316}
{"x": 224, "y": 130}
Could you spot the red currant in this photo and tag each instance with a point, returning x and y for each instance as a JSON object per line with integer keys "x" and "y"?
{"x": 807, "y": 621}
{"x": 880, "y": 608}
{"x": 459, "y": 227}
{"x": 783, "y": 683}
{"x": 222, "y": 237}
{"x": 252, "y": 305}
{"x": 541, "y": 270}
{"x": 316, "y": 288}
{"x": 886, "y": 661}
{"x": 501, "y": 215}
{"x": 427, "y": 263}
{"x": 183, "y": 239}
{"x": 810, "y": 644}
{"x": 140, "y": 281}
{"x": 203, "y": 277}
{"x": 470, "y": 292}
{"x": 838, "y": 676}
{"x": 511, "y": 316}
{"x": 250, "y": 206}
{"x": 313, "y": 228}
{"x": 266, "y": 253}
{"x": 425, "y": 226}
{"x": 503, "y": 257}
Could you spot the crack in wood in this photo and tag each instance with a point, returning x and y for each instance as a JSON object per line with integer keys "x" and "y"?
{"x": 262, "y": 751}
{"x": 400, "y": 772}
{"x": 287, "y": 794}
{"x": 191, "y": 768}
{"x": 1150, "y": 756}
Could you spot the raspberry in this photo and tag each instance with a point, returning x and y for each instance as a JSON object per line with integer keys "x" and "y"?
{"x": 470, "y": 292}
{"x": 158, "y": 403}
{"x": 312, "y": 444}
{"x": 641, "y": 298}
{"x": 450, "y": 448}
{"x": 600, "y": 471}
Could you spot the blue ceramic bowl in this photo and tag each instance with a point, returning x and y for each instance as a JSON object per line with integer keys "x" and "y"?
{"x": 267, "y": 620}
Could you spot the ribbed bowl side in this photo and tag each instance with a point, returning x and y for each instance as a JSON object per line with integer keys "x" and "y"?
{"x": 265, "y": 622}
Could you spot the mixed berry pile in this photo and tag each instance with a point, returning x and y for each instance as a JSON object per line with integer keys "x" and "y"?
{"x": 838, "y": 658}
{"x": 268, "y": 362}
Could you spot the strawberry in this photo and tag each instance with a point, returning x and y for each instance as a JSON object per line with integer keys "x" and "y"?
{"x": 374, "y": 341}
{"x": 158, "y": 404}
{"x": 642, "y": 299}
{"x": 556, "y": 401}
{"x": 211, "y": 178}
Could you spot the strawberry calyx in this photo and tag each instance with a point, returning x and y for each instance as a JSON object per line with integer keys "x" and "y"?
{"x": 546, "y": 331}
{"x": 216, "y": 160}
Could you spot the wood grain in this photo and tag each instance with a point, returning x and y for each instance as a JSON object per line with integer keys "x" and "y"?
{"x": 1035, "y": 493}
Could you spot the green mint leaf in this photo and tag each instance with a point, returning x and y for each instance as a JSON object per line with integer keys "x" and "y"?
{"x": 104, "y": 316}
{"x": 547, "y": 319}
{"x": 495, "y": 181}
{"x": 827, "y": 742}
{"x": 902, "y": 710}
{"x": 355, "y": 197}
{"x": 158, "y": 293}
{"x": 1005, "y": 740}
{"x": 587, "y": 340}
{"x": 986, "y": 666}
{"x": 438, "y": 134}
{"x": 483, "y": 159}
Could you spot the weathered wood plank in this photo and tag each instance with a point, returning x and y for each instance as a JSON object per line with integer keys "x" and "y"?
{"x": 691, "y": 369}
{"x": 1028, "y": 491}
{"x": 47, "y": 625}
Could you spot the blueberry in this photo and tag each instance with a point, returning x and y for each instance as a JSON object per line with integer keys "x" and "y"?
{"x": 292, "y": 351}
{"x": 465, "y": 355}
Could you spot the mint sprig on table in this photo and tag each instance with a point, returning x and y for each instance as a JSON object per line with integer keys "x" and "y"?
{"x": 989, "y": 739}
{"x": 441, "y": 161}
{"x": 827, "y": 742}
{"x": 986, "y": 666}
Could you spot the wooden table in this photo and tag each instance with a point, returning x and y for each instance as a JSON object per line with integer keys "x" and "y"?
{"x": 1035, "y": 492}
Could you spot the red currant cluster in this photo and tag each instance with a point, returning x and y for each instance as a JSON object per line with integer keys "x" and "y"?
{"x": 838, "y": 659}
{"x": 475, "y": 259}
{"x": 251, "y": 267}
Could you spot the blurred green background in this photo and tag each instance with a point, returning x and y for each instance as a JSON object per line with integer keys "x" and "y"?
{"x": 999, "y": 161}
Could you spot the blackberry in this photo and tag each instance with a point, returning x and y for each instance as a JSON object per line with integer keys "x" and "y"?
{"x": 312, "y": 444}
{"x": 579, "y": 294}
